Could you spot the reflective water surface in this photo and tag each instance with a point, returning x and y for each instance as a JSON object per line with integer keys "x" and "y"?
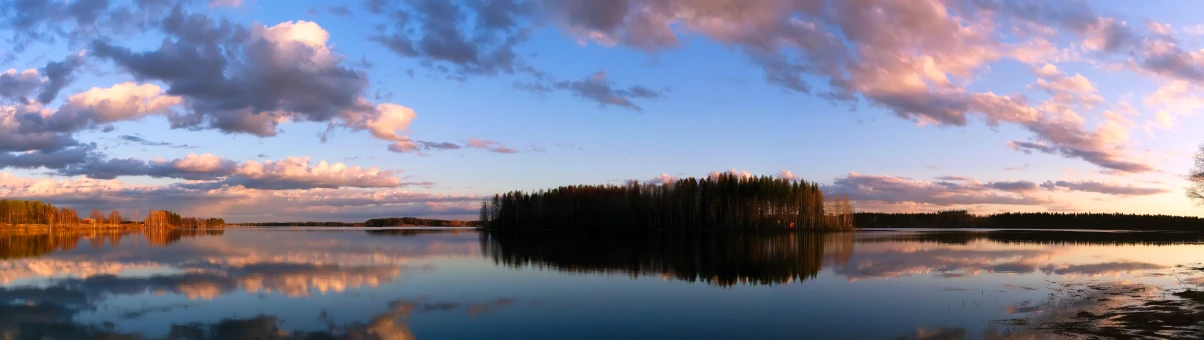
{"x": 439, "y": 284}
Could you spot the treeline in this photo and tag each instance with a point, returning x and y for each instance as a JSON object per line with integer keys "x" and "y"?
{"x": 14, "y": 212}
{"x": 19, "y": 212}
{"x": 23, "y": 245}
{"x": 963, "y": 219}
{"x": 724, "y": 202}
{"x": 414, "y": 221}
{"x": 167, "y": 219}
{"x": 300, "y": 224}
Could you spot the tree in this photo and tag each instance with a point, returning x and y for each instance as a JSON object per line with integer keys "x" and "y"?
{"x": 97, "y": 216}
{"x": 1196, "y": 190}
{"x": 114, "y": 218}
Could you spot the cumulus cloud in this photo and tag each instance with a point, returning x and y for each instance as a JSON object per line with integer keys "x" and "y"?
{"x": 787, "y": 175}
{"x": 662, "y": 179}
{"x": 440, "y": 35}
{"x": 16, "y": 86}
{"x": 1103, "y": 188}
{"x": 916, "y": 60}
{"x": 732, "y": 172}
{"x": 59, "y": 74}
{"x": 47, "y": 82}
{"x": 268, "y": 75}
{"x": 299, "y": 173}
{"x": 99, "y": 106}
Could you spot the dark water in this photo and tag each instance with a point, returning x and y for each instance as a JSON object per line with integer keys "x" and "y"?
{"x": 440, "y": 284}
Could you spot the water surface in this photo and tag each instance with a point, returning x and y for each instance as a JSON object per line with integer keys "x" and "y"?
{"x": 448, "y": 283}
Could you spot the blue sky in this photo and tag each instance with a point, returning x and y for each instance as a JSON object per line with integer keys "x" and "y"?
{"x": 935, "y": 96}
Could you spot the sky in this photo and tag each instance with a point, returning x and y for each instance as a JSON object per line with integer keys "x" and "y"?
{"x": 263, "y": 110}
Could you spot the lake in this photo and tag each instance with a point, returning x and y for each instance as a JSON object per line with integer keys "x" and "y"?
{"x": 247, "y": 283}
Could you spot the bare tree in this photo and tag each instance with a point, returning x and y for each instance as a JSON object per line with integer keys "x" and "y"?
{"x": 97, "y": 216}
{"x": 115, "y": 218}
{"x": 1196, "y": 190}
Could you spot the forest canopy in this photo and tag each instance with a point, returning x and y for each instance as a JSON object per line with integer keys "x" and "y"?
{"x": 19, "y": 212}
{"x": 723, "y": 202}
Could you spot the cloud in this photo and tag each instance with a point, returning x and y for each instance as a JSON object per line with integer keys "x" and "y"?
{"x": 238, "y": 203}
{"x": 1029, "y": 147}
{"x": 298, "y": 173}
{"x": 953, "y": 178}
{"x": 417, "y": 146}
{"x": 916, "y": 60}
{"x": 1103, "y": 268}
{"x": 207, "y": 171}
{"x": 15, "y": 86}
{"x": 59, "y": 74}
{"x": 1015, "y": 168}
{"x": 268, "y": 75}
{"x": 489, "y": 145}
{"x": 892, "y": 189}
{"x": 440, "y": 35}
{"x": 787, "y": 175}
{"x": 224, "y": 3}
{"x": 44, "y": 159}
{"x": 145, "y": 142}
{"x": 662, "y": 179}
{"x": 1174, "y": 100}
{"x": 1103, "y": 188}
{"x": 598, "y": 89}
{"x": 340, "y": 10}
{"x": 47, "y": 21}
{"x": 1068, "y": 90}
{"x": 732, "y": 172}
{"x": 1013, "y": 186}
{"x": 99, "y": 106}
{"x": 191, "y": 167}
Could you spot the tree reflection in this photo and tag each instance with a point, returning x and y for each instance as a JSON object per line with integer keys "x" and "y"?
{"x": 715, "y": 258}
{"x": 16, "y": 245}
{"x": 418, "y": 232}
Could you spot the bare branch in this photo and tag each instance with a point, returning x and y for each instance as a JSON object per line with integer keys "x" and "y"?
{"x": 1196, "y": 190}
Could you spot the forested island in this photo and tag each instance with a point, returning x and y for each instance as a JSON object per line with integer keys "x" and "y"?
{"x": 741, "y": 203}
{"x": 26, "y": 214}
{"x": 723, "y": 202}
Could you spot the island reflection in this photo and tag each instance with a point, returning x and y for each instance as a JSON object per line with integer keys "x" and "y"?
{"x": 724, "y": 259}
{"x": 93, "y": 285}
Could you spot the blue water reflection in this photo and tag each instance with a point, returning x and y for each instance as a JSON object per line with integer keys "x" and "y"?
{"x": 437, "y": 284}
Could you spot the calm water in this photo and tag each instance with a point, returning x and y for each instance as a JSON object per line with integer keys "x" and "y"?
{"x": 429, "y": 284}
